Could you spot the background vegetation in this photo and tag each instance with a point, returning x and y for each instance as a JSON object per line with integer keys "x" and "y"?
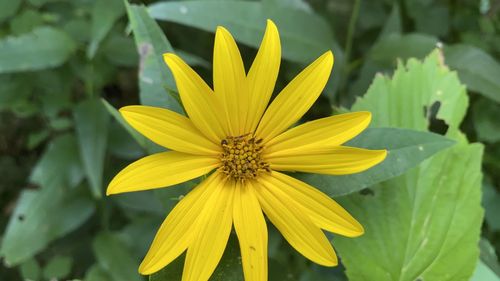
{"x": 65, "y": 66}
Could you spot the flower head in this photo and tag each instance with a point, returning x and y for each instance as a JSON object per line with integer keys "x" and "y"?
{"x": 244, "y": 145}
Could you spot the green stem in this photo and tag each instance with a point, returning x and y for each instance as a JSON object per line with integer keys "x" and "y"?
{"x": 348, "y": 44}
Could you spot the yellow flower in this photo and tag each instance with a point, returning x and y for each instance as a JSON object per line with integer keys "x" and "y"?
{"x": 230, "y": 132}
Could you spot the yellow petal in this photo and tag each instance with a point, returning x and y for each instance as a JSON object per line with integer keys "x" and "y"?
{"x": 251, "y": 229}
{"x": 319, "y": 134}
{"x": 295, "y": 225}
{"x": 262, "y": 75}
{"x": 161, "y": 170}
{"x": 296, "y": 98}
{"x": 214, "y": 227}
{"x": 169, "y": 129}
{"x": 198, "y": 99}
{"x": 229, "y": 81}
{"x": 323, "y": 211}
{"x": 177, "y": 231}
{"x": 341, "y": 160}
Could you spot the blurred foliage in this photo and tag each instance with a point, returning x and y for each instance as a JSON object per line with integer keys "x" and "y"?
{"x": 66, "y": 66}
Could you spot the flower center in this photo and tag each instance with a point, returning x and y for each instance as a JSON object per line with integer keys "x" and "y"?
{"x": 241, "y": 157}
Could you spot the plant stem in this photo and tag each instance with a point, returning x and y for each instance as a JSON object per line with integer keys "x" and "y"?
{"x": 348, "y": 45}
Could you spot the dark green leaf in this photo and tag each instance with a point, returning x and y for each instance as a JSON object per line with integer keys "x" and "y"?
{"x": 154, "y": 76}
{"x": 486, "y": 122}
{"x": 114, "y": 257}
{"x": 30, "y": 269}
{"x": 44, "y": 47}
{"x": 91, "y": 122}
{"x": 104, "y": 15}
{"x": 9, "y": 8}
{"x": 60, "y": 164}
{"x": 407, "y": 149}
{"x": 58, "y": 267}
{"x": 40, "y": 217}
{"x": 304, "y": 36}
{"x": 476, "y": 68}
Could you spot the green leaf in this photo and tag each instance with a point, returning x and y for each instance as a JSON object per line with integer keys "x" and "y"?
{"x": 121, "y": 51}
{"x": 8, "y": 8}
{"x": 30, "y": 270}
{"x": 486, "y": 122}
{"x": 407, "y": 148}
{"x": 40, "y": 217}
{"x": 104, "y": 14}
{"x": 491, "y": 203}
{"x": 91, "y": 122}
{"x": 26, "y": 22}
{"x": 415, "y": 225}
{"x": 304, "y": 35}
{"x": 44, "y": 47}
{"x": 96, "y": 273}
{"x": 60, "y": 164}
{"x": 58, "y": 267}
{"x": 154, "y": 76}
{"x": 114, "y": 257}
{"x": 476, "y": 68}
{"x": 393, "y": 46}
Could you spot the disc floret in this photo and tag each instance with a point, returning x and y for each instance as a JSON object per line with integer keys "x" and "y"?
{"x": 241, "y": 157}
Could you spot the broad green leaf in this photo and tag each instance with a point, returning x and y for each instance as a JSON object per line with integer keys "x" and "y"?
{"x": 114, "y": 257}
{"x": 304, "y": 35}
{"x": 121, "y": 51}
{"x": 26, "y": 22}
{"x": 96, "y": 273}
{"x": 9, "y": 8}
{"x": 91, "y": 122}
{"x": 476, "y": 68}
{"x": 154, "y": 76}
{"x": 44, "y": 47}
{"x": 425, "y": 224}
{"x": 394, "y": 46}
{"x": 40, "y": 217}
{"x": 30, "y": 269}
{"x": 58, "y": 267}
{"x": 486, "y": 122}
{"x": 60, "y": 164}
{"x": 491, "y": 203}
{"x": 407, "y": 149}
{"x": 104, "y": 14}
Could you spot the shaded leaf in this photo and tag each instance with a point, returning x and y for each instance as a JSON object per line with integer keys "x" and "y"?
{"x": 407, "y": 149}
{"x": 114, "y": 257}
{"x": 91, "y": 122}
{"x": 299, "y": 30}
{"x": 154, "y": 76}
{"x": 486, "y": 122}
{"x": 44, "y": 47}
{"x": 8, "y": 8}
{"x": 476, "y": 68}
{"x": 58, "y": 267}
{"x": 60, "y": 164}
{"x": 40, "y": 217}
{"x": 104, "y": 14}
